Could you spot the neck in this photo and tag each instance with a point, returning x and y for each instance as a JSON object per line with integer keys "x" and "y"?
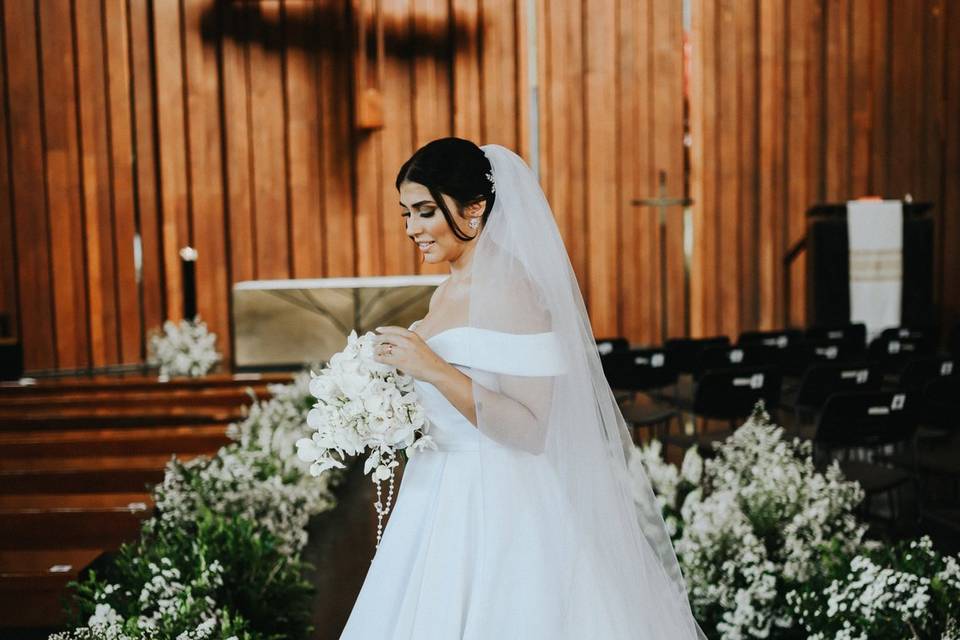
{"x": 460, "y": 266}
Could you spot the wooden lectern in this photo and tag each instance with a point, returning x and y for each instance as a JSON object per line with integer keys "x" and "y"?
{"x": 828, "y": 265}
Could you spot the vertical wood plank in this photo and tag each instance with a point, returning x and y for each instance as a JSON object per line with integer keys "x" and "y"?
{"x": 62, "y": 161}
{"x": 338, "y": 160}
{"x": 465, "y": 15}
{"x": 949, "y": 235}
{"x": 565, "y": 128}
{"x": 522, "y": 80}
{"x": 431, "y": 79}
{"x": 861, "y": 90}
{"x": 837, "y": 98}
{"x": 601, "y": 176}
{"x": 932, "y": 116}
{"x": 906, "y": 99}
{"x": 96, "y": 171}
{"x": 268, "y": 143}
{"x": 9, "y": 296}
{"x": 238, "y": 156}
{"x": 171, "y": 149}
{"x": 369, "y": 175}
{"x": 879, "y": 29}
{"x": 633, "y": 80}
{"x": 728, "y": 171}
{"x": 303, "y": 132}
{"x": 27, "y": 188}
{"x": 499, "y": 69}
{"x": 121, "y": 153}
{"x": 703, "y": 156}
{"x": 756, "y": 21}
{"x": 142, "y": 60}
{"x": 204, "y": 148}
{"x": 771, "y": 169}
{"x": 667, "y": 139}
{"x": 400, "y": 254}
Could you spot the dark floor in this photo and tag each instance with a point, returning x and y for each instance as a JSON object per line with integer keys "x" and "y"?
{"x": 342, "y": 544}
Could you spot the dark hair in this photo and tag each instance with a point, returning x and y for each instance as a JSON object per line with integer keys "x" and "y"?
{"x": 455, "y": 167}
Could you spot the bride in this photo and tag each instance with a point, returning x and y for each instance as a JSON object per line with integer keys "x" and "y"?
{"x": 523, "y": 523}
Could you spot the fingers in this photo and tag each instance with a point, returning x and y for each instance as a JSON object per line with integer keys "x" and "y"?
{"x": 392, "y": 331}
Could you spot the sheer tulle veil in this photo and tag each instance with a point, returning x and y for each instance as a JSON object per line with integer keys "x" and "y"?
{"x": 607, "y": 525}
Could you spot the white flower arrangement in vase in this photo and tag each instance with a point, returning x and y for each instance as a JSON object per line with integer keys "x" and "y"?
{"x": 363, "y": 406}
{"x": 186, "y": 348}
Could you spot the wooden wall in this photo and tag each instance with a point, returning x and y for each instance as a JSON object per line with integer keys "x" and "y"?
{"x": 228, "y": 125}
{"x": 802, "y": 102}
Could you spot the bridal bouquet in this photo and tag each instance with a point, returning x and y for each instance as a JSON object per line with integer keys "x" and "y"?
{"x": 363, "y": 406}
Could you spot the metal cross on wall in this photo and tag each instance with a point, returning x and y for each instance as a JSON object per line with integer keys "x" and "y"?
{"x": 662, "y": 202}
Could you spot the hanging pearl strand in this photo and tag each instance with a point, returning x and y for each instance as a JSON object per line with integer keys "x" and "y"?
{"x": 378, "y": 505}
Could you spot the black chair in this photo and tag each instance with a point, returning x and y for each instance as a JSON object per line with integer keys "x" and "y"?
{"x": 826, "y": 350}
{"x": 940, "y": 411}
{"x": 730, "y": 395}
{"x": 918, "y": 372}
{"x": 639, "y": 371}
{"x": 854, "y": 333}
{"x": 737, "y": 356}
{"x": 686, "y": 351}
{"x": 824, "y": 379}
{"x": 787, "y": 345}
{"x": 868, "y": 422}
{"x": 685, "y": 355}
{"x": 777, "y": 339}
{"x": 612, "y": 345}
{"x": 927, "y": 334}
{"x": 893, "y": 351}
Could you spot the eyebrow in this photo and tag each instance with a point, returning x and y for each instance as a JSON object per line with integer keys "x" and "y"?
{"x": 417, "y": 204}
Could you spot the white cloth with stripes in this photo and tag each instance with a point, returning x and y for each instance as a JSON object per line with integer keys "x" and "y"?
{"x": 875, "y": 229}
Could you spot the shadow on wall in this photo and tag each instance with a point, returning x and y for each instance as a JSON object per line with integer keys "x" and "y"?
{"x": 317, "y": 27}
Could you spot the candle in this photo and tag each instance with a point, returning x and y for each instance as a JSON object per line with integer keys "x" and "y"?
{"x": 188, "y": 261}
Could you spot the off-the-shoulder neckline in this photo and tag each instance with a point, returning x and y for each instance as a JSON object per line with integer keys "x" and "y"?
{"x": 452, "y": 329}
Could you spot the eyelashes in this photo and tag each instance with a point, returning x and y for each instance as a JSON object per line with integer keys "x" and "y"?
{"x": 423, "y": 214}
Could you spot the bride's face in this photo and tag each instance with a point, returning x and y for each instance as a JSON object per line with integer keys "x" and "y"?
{"x": 426, "y": 225}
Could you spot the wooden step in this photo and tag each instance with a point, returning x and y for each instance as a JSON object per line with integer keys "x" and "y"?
{"x": 109, "y": 474}
{"x": 201, "y": 397}
{"x": 112, "y": 442}
{"x": 56, "y": 386}
{"x": 32, "y": 583}
{"x": 120, "y": 418}
{"x": 71, "y": 521}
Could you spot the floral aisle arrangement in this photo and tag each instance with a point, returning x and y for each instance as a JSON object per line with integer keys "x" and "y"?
{"x": 749, "y": 524}
{"x": 186, "y": 348}
{"x": 909, "y": 591}
{"x": 220, "y": 559}
{"x": 770, "y": 547}
{"x": 363, "y": 406}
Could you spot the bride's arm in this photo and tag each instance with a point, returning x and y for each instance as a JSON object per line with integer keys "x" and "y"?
{"x": 516, "y": 418}
{"x": 457, "y": 388}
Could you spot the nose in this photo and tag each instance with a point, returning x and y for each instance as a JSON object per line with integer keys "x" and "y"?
{"x": 413, "y": 225}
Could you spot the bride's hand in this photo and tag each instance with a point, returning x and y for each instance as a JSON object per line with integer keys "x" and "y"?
{"x": 407, "y": 351}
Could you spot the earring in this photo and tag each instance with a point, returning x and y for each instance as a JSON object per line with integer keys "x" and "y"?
{"x": 474, "y": 223}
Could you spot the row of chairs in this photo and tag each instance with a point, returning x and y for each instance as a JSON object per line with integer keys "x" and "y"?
{"x": 867, "y": 406}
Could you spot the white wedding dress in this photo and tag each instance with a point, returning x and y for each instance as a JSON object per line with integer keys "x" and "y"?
{"x": 436, "y": 575}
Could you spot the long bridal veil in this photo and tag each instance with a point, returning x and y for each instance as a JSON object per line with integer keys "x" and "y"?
{"x": 604, "y": 528}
